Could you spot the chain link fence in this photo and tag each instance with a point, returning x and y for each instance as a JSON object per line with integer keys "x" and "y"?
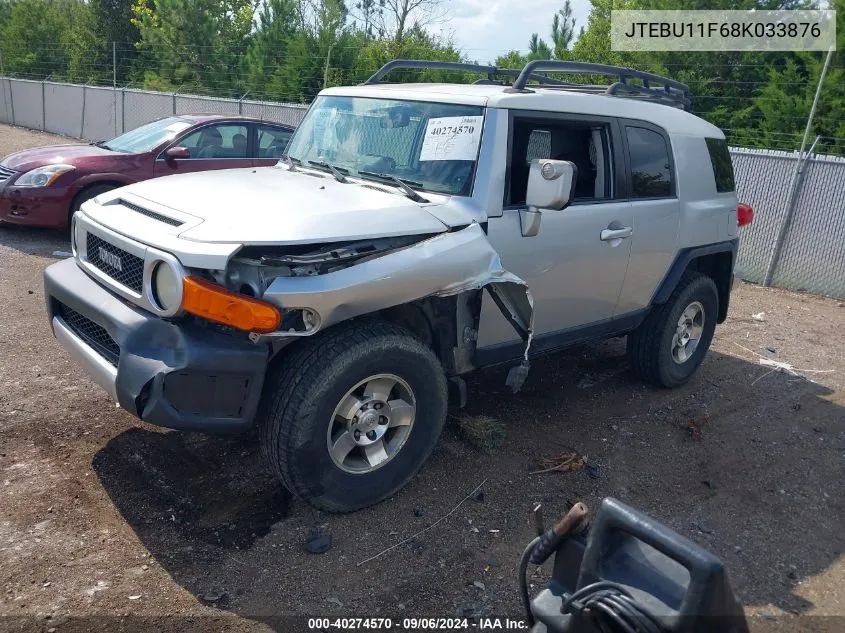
{"x": 97, "y": 113}
{"x": 813, "y": 253}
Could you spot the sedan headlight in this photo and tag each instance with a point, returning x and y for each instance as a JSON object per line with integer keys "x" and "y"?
{"x": 167, "y": 287}
{"x": 43, "y": 176}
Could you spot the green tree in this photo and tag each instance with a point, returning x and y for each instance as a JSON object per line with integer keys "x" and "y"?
{"x": 196, "y": 44}
{"x": 511, "y": 59}
{"x": 269, "y": 47}
{"x": 563, "y": 30}
{"x": 537, "y": 48}
{"x": 48, "y": 38}
{"x": 116, "y": 33}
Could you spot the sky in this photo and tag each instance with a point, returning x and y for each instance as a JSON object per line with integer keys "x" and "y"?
{"x": 484, "y": 29}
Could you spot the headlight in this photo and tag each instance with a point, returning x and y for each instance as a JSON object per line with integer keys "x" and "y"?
{"x": 42, "y": 176}
{"x": 167, "y": 287}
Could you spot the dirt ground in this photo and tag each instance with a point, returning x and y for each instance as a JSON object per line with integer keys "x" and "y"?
{"x": 105, "y": 518}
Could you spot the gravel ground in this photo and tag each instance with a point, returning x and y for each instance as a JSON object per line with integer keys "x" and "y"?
{"x": 105, "y": 516}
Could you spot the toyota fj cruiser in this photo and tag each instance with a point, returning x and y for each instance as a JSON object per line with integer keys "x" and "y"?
{"x": 411, "y": 233}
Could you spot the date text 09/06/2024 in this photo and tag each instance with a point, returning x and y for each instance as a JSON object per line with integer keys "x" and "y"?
{"x": 416, "y": 624}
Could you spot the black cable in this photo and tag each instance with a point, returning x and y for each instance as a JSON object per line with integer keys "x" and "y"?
{"x": 612, "y": 607}
{"x": 523, "y": 580}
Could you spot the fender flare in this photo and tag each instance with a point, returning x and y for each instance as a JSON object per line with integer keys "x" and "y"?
{"x": 682, "y": 261}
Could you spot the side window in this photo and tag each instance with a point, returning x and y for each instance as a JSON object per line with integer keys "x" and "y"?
{"x": 651, "y": 170}
{"x": 272, "y": 141}
{"x": 720, "y": 158}
{"x": 217, "y": 141}
{"x": 585, "y": 144}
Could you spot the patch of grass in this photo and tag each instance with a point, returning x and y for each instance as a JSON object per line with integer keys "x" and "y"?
{"x": 481, "y": 432}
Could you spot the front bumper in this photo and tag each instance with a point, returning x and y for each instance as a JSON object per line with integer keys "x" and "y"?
{"x": 35, "y": 206}
{"x": 178, "y": 375}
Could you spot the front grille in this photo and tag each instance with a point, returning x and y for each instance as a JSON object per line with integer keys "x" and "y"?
{"x": 151, "y": 214}
{"x": 121, "y": 266}
{"x": 94, "y": 335}
{"x": 6, "y": 173}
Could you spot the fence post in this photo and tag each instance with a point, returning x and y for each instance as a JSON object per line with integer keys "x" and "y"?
{"x": 82, "y": 118}
{"x": 241, "y": 103}
{"x": 175, "y": 92}
{"x": 114, "y": 82}
{"x": 12, "y": 101}
{"x": 3, "y": 74}
{"x": 796, "y": 176}
{"x": 43, "y": 107}
{"x": 123, "y": 110}
{"x": 9, "y": 80}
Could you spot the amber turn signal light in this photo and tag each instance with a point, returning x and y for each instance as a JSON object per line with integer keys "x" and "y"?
{"x": 215, "y": 303}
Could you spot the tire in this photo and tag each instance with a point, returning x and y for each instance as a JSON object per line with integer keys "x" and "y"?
{"x": 84, "y": 196}
{"x": 301, "y": 396}
{"x": 654, "y": 353}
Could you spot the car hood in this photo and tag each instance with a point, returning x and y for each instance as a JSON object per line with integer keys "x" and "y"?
{"x": 40, "y": 156}
{"x": 273, "y": 205}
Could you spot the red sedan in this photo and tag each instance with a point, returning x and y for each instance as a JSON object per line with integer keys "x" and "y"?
{"x": 45, "y": 186}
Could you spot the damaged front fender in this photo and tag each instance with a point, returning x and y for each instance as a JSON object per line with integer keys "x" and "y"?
{"x": 444, "y": 265}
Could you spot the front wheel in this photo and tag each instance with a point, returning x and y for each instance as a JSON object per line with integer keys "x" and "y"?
{"x": 349, "y": 417}
{"x": 671, "y": 343}
{"x": 85, "y": 195}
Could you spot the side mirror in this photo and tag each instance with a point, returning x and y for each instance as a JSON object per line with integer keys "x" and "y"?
{"x": 551, "y": 185}
{"x": 177, "y": 152}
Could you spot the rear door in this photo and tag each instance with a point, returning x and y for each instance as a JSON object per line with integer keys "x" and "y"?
{"x": 213, "y": 146}
{"x": 656, "y": 211}
{"x": 271, "y": 143}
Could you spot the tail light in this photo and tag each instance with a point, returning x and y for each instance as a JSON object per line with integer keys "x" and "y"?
{"x": 744, "y": 214}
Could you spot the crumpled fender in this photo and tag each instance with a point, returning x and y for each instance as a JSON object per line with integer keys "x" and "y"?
{"x": 444, "y": 265}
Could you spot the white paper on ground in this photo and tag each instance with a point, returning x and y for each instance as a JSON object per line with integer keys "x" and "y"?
{"x": 452, "y": 138}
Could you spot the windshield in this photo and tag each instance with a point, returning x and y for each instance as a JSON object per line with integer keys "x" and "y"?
{"x": 428, "y": 146}
{"x": 148, "y": 136}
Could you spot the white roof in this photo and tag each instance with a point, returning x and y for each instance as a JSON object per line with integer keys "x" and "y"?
{"x": 673, "y": 120}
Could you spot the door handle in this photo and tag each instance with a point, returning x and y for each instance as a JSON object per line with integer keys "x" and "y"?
{"x": 608, "y": 235}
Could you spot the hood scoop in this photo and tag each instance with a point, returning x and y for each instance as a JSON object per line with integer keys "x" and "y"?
{"x": 150, "y": 214}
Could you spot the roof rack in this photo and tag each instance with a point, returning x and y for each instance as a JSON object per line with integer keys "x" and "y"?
{"x": 668, "y": 91}
{"x": 490, "y": 71}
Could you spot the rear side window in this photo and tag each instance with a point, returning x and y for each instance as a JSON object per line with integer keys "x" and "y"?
{"x": 651, "y": 170}
{"x": 720, "y": 158}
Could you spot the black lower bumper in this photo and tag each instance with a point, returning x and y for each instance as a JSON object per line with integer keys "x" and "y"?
{"x": 172, "y": 374}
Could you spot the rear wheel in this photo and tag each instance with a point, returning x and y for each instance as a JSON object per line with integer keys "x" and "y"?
{"x": 349, "y": 417}
{"x": 671, "y": 343}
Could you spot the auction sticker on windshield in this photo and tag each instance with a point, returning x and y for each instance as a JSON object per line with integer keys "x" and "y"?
{"x": 452, "y": 138}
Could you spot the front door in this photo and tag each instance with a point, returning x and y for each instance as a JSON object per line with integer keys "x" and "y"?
{"x": 215, "y": 146}
{"x": 575, "y": 266}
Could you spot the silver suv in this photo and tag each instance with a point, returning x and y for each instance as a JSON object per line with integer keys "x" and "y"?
{"x": 411, "y": 233}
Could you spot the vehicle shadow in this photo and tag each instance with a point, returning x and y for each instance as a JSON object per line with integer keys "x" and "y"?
{"x": 36, "y": 241}
{"x": 757, "y": 482}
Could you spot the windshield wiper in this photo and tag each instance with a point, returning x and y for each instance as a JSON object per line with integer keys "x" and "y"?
{"x": 291, "y": 161}
{"x": 103, "y": 145}
{"x": 338, "y": 175}
{"x": 404, "y": 185}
